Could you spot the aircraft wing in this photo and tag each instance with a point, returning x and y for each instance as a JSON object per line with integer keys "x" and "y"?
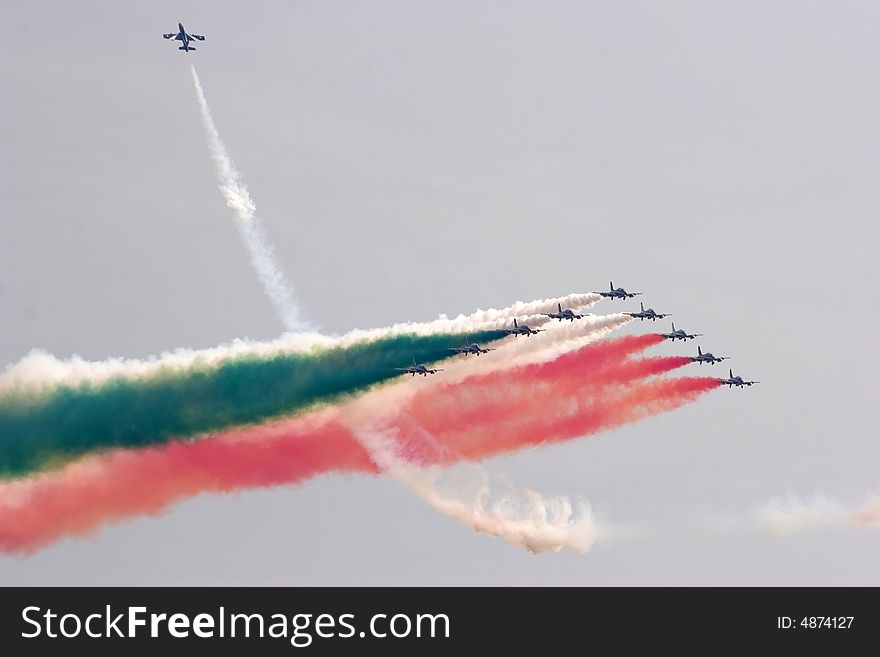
{"x": 168, "y": 36}
{"x": 197, "y": 36}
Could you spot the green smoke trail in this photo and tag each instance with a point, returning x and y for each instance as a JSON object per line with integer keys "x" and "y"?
{"x": 49, "y": 428}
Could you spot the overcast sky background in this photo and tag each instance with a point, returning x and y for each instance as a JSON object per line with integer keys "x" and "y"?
{"x": 410, "y": 158}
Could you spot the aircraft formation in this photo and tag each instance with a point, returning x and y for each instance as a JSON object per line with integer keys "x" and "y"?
{"x": 569, "y": 314}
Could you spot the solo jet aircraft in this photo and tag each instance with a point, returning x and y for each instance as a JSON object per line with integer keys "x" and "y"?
{"x": 421, "y": 368}
{"x": 647, "y": 314}
{"x": 706, "y": 358}
{"x": 568, "y": 314}
{"x": 736, "y": 381}
{"x": 472, "y": 348}
{"x": 618, "y": 293}
{"x": 679, "y": 334}
{"x": 184, "y": 38}
{"x": 521, "y": 329}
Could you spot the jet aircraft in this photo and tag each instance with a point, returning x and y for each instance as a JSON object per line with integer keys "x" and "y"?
{"x": 736, "y": 381}
{"x": 472, "y": 348}
{"x": 521, "y": 329}
{"x": 184, "y": 38}
{"x": 421, "y": 368}
{"x": 648, "y": 314}
{"x": 617, "y": 293}
{"x": 708, "y": 357}
{"x": 568, "y": 314}
{"x": 679, "y": 334}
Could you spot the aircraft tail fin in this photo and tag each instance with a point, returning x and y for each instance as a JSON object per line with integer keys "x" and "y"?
{"x": 643, "y": 306}
{"x": 559, "y": 305}
{"x": 699, "y": 351}
{"x": 611, "y": 285}
{"x": 673, "y": 327}
{"x": 515, "y": 325}
{"x": 731, "y": 372}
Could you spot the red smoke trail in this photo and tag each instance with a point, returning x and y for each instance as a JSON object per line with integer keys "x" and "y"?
{"x": 590, "y": 357}
{"x": 109, "y": 487}
{"x": 509, "y": 424}
{"x": 471, "y": 402}
{"x": 593, "y": 355}
{"x": 597, "y": 364}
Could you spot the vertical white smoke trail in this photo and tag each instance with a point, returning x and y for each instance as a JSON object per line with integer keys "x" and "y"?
{"x": 238, "y": 199}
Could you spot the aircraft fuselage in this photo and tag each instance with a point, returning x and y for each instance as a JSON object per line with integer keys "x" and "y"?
{"x": 184, "y": 38}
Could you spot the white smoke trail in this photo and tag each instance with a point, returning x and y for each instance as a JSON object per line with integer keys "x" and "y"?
{"x": 40, "y": 370}
{"x": 238, "y": 199}
{"x": 520, "y": 516}
{"x": 526, "y": 312}
{"x": 469, "y": 494}
{"x": 793, "y": 515}
{"x": 557, "y": 339}
{"x": 867, "y": 515}
{"x": 279, "y": 289}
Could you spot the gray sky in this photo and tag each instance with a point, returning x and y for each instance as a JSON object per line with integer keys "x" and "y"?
{"x": 411, "y": 158}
